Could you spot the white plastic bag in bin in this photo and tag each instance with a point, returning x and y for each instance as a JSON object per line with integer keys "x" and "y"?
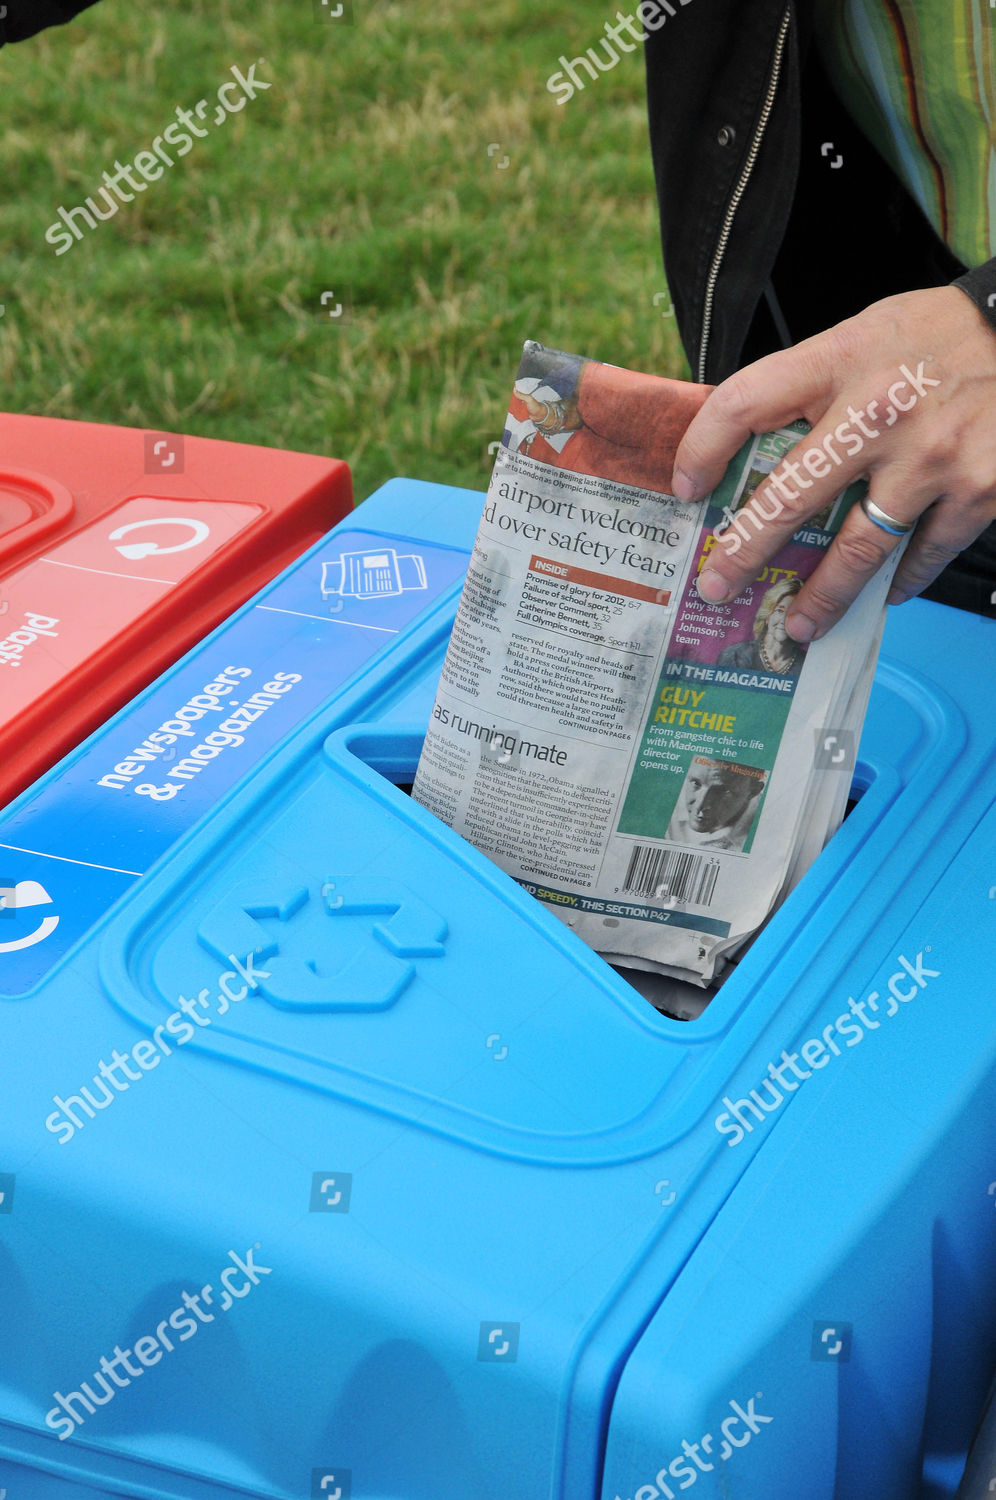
{"x": 371, "y": 575}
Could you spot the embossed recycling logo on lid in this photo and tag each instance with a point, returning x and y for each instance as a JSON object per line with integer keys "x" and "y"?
{"x": 373, "y": 975}
{"x": 340, "y": 984}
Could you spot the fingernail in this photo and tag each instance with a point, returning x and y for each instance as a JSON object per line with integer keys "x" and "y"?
{"x": 896, "y": 596}
{"x": 713, "y": 587}
{"x": 683, "y": 486}
{"x": 801, "y": 628}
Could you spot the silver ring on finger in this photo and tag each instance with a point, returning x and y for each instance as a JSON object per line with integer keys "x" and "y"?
{"x": 883, "y": 520}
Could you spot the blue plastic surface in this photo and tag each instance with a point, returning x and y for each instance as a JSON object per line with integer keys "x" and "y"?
{"x": 457, "y": 1139}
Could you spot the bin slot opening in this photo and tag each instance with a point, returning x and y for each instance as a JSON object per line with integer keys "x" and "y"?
{"x": 674, "y": 998}
{"x": 856, "y": 793}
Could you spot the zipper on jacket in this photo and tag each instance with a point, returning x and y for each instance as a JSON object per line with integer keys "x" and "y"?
{"x": 738, "y": 192}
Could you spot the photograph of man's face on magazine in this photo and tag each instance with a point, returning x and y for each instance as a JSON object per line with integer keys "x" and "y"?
{"x": 716, "y": 805}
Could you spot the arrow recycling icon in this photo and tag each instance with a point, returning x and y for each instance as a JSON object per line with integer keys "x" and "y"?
{"x": 380, "y": 952}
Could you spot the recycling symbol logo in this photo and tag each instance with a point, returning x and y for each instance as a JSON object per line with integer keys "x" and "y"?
{"x": 380, "y": 951}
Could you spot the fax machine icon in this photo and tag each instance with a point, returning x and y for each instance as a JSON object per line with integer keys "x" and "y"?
{"x": 373, "y": 575}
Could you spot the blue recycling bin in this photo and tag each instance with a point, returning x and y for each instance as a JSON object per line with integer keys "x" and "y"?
{"x": 333, "y": 1164}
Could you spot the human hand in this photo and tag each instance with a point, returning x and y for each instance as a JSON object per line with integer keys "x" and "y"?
{"x": 933, "y": 457}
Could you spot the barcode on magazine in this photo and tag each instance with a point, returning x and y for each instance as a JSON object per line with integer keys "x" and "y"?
{"x": 671, "y": 875}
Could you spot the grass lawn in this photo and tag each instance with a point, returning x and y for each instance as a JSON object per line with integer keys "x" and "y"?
{"x": 373, "y": 168}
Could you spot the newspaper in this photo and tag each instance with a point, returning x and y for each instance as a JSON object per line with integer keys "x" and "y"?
{"x": 658, "y": 771}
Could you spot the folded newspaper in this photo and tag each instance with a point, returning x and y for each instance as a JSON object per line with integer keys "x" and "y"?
{"x": 659, "y": 771}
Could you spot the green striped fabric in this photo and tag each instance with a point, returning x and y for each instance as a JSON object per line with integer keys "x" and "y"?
{"x": 919, "y": 78}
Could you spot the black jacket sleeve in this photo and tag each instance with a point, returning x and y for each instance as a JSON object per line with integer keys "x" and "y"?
{"x": 980, "y": 285}
{"x": 25, "y": 18}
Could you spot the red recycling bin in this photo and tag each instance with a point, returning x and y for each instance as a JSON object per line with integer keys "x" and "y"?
{"x": 119, "y": 548}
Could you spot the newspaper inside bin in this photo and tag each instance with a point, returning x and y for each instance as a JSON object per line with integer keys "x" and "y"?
{"x": 657, "y": 770}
